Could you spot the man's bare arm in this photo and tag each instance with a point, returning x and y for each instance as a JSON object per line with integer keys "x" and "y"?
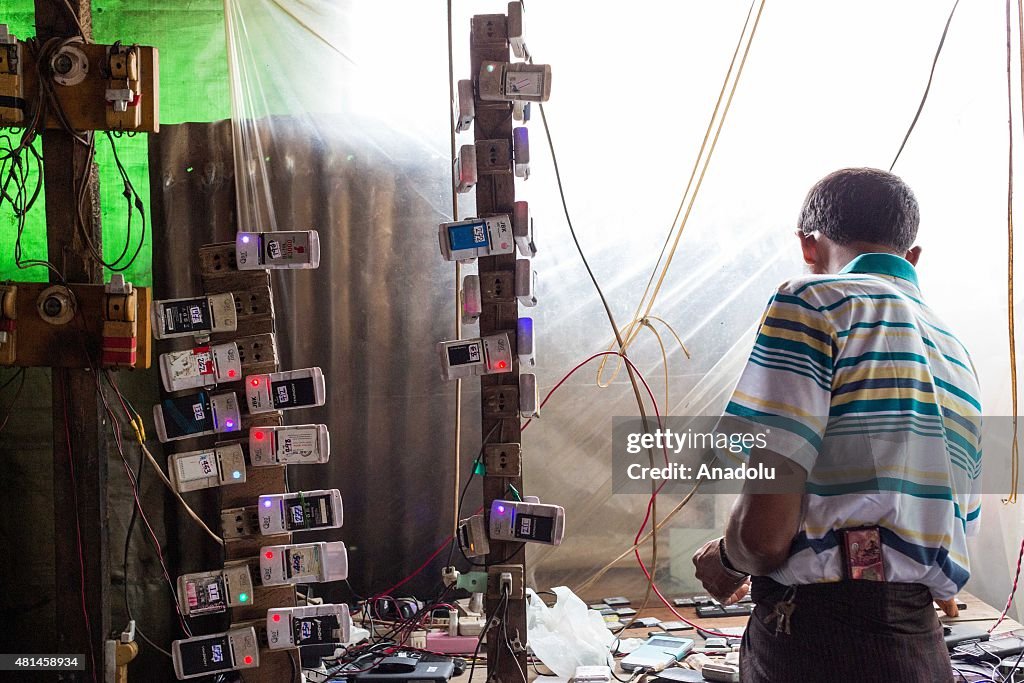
{"x": 764, "y": 521}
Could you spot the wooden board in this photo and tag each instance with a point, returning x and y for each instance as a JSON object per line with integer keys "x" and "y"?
{"x": 84, "y": 103}
{"x": 70, "y": 346}
{"x": 496, "y": 194}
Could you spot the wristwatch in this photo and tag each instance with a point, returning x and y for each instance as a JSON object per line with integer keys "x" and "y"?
{"x": 736, "y": 573}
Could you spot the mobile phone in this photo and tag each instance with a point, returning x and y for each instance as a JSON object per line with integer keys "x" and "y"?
{"x": 303, "y": 563}
{"x": 214, "y": 592}
{"x": 301, "y": 511}
{"x": 676, "y": 626}
{"x": 204, "y": 655}
{"x": 862, "y": 554}
{"x": 719, "y": 610}
{"x": 201, "y": 366}
{"x": 309, "y": 625}
{"x": 182, "y": 417}
{"x": 196, "y": 316}
{"x": 291, "y": 445}
{"x": 285, "y": 390}
{"x": 207, "y": 468}
{"x": 680, "y": 675}
{"x": 286, "y": 249}
{"x": 616, "y": 601}
{"x": 657, "y": 653}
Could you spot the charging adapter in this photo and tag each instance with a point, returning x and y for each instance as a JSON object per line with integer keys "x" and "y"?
{"x": 522, "y": 229}
{"x": 521, "y": 151}
{"x": 465, "y": 169}
{"x": 472, "y": 300}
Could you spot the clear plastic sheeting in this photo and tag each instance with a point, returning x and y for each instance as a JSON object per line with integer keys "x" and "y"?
{"x": 341, "y": 124}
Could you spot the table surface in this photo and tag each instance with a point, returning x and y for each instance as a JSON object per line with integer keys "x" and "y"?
{"x": 977, "y": 613}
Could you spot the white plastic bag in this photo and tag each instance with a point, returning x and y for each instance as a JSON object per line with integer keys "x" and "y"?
{"x": 568, "y": 634}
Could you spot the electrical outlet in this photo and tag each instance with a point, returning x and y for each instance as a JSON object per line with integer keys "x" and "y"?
{"x": 489, "y": 28}
{"x": 257, "y": 350}
{"x": 497, "y": 286}
{"x": 494, "y": 580}
{"x": 501, "y": 401}
{"x": 493, "y": 156}
{"x": 237, "y": 523}
{"x": 217, "y": 259}
{"x": 503, "y": 460}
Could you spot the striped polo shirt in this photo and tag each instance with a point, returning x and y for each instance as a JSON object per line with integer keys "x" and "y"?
{"x": 868, "y": 391}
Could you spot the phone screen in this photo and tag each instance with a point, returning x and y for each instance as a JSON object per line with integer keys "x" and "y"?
{"x": 205, "y": 656}
{"x": 534, "y": 527}
{"x": 185, "y": 415}
{"x": 314, "y": 630}
{"x": 289, "y": 393}
{"x": 464, "y": 354}
{"x": 308, "y": 513}
{"x": 189, "y": 315}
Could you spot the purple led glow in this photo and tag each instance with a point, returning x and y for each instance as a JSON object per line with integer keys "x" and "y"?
{"x": 229, "y": 424}
{"x": 501, "y": 509}
{"x": 245, "y": 239}
{"x": 267, "y": 503}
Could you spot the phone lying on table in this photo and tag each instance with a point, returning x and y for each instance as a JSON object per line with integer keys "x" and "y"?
{"x": 657, "y": 653}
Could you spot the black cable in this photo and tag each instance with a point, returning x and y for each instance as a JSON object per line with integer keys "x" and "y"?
{"x": 488, "y": 563}
{"x": 465, "y": 488}
{"x": 133, "y": 201}
{"x": 127, "y": 547}
{"x": 1011, "y": 674}
{"x": 10, "y": 408}
{"x": 927, "y": 88}
{"x": 483, "y": 633}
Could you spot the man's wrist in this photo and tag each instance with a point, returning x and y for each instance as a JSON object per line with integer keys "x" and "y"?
{"x": 726, "y": 564}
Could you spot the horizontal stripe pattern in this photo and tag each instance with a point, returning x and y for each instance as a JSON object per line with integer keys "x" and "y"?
{"x": 866, "y": 388}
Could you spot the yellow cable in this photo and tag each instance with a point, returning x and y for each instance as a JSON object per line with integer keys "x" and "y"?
{"x": 457, "y": 454}
{"x": 633, "y": 328}
{"x": 1014, "y": 453}
{"x": 139, "y": 435}
{"x": 643, "y": 539}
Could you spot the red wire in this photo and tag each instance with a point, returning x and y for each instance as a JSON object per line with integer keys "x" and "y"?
{"x": 1013, "y": 590}
{"x": 138, "y": 501}
{"x": 650, "y": 502}
{"x": 78, "y": 526}
{"x": 418, "y": 570}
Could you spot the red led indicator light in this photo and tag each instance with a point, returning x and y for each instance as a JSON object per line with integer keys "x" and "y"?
{"x": 277, "y": 617}
{"x": 259, "y": 436}
{"x": 255, "y": 382}
{"x": 248, "y": 659}
{"x": 269, "y": 555}
{"x": 501, "y": 365}
{"x": 231, "y": 373}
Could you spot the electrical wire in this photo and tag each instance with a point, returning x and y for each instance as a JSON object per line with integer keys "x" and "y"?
{"x": 623, "y": 345}
{"x": 928, "y": 86}
{"x": 1014, "y": 454}
{"x": 457, "y": 453}
{"x": 124, "y": 566}
{"x": 1013, "y": 589}
{"x": 14, "y": 399}
{"x": 133, "y": 480}
{"x": 694, "y": 176}
{"x": 66, "y": 399}
{"x": 140, "y": 437}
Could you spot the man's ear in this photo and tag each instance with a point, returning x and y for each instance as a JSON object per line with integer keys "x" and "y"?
{"x": 913, "y": 255}
{"x": 809, "y": 247}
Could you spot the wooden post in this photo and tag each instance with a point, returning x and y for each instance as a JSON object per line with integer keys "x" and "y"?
{"x": 495, "y": 194}
{"x": 81, "y": 436}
